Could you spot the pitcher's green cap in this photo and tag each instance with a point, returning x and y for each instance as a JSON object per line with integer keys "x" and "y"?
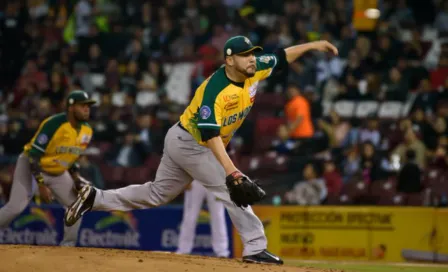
{"x": 239, "y": 45}
{"x": 79, "y": 97}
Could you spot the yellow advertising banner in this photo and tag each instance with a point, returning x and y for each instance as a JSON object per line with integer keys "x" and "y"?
{"x": 349, "y": 233}
{"x": 439, "y": 237}
{"x": 410, "y": 232}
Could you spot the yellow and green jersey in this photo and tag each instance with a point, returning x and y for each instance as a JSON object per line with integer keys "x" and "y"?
{"x": 58, "y": 144}
{"x": 223, "y": 105}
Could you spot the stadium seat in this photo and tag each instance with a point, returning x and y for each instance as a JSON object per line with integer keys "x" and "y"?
{"x": 146, "y": 99}
{"x": 136, "y": 175}
{"x": 389, "y": 198}
{"x": 379, "y": 189}
{"x": 263, "y": 144}
{"x": 390, "y": 110}
{"x": 249, "y": 163}
{"x": 118, "y": 99}
{"x": 97, "y": 97}
{"x": 353, "y": 191}
{"x": 113, "y": 176}
{"x": 152, "y": 163}
{"x": 270, "y": 101}
{"x": 343, "y": 199}
{"x": 415, "y": 199}
{"x": 98, "y": 80}
{"x": 363, "y": 109}
{"x": 345, "y": 109}
{"x": 440, "y": 186}
{"x": 104, "y": 147}
{"x": 431, "y": 176}
{"x": 267, "y": 126}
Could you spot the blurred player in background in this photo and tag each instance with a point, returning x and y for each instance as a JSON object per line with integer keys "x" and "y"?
{"x": 194, "y": 196}
{"x": 193, "y": 199}
{"x": 50, "y": 160}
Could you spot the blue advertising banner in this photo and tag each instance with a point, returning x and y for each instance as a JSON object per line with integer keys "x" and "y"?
{"x": 152, "y": 229}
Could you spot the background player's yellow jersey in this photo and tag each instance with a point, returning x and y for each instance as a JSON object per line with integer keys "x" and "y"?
{"x": 58, "y": 144}
{"x": 222, "y": 104}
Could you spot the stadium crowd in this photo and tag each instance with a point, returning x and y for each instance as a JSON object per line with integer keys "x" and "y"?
{"x": 123, "y": 53}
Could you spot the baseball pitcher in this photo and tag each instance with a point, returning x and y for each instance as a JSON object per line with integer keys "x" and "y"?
{"x": 195, "y": 147}
{"x": 49, "y": 158}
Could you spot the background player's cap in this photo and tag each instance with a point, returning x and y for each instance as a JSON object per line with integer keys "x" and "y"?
{"x": 239, "y": 45}
{"x": 79, "y": 97}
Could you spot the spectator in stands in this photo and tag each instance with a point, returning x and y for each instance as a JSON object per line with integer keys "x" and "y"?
{"x": 112, "y": 74}
{"x": 311, "y": 191}
{"x": 148, "y": 138}
{"x": 91, "y": 172}
{"x": 436, "y": 135}
{"x": 340, "y": 127}
{"x": 370, "y": 133}
{"x": 371, "y": 163}
{"x": 426, "y": 97}
{"x": 409, "y": 177}
{"x": 84, "y": 11}
{"x": 135, "y": 54}
{"x": 130, "y": 79}
{"x": 351, "y": 164}
{"x": 283, "y": 145}
{"x": 396, "y": 87}
{"x": 96, "y": 60}
{"x": 128, "y": 152}
{"x": 298, "y": 115}
{"x": 411, "y": 142}
{"x": 441, "y": 21}
{"x": 333, "y": 179}
{"x": 56, "y": 92}
{"x": 328, "y": 67}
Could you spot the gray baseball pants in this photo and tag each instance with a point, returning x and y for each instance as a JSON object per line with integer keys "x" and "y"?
{"x": 184, "y": 160}
{"x": 22, "y": 191}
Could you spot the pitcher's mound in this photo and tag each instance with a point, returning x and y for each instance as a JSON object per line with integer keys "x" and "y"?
{"x": 46, "y": 259}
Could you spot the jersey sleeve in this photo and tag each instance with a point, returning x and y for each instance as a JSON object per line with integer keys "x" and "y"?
{"x": 210, "y": 114}
{"x": 210, "y": 111}
{"x": 44, "y": 135}
{"x": 266, "y": 64}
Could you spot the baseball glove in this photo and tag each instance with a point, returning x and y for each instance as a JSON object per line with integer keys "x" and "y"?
{"x": 242, "y": 190}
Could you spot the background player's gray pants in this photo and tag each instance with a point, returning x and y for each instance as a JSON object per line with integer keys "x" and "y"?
{"x": 183, "y": 160}
{"x": 22, "y": 192}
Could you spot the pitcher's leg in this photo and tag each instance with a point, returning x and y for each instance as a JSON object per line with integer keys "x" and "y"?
{"x": 220, "y": 240}
{"x": 203, "y": 166}
{"x": 193, "y": 200}
{"x": 21, "y": 192}
{"x": 62, "y": 188}
{"x": 170, "y": 181}
{"x": 246, "y": 222}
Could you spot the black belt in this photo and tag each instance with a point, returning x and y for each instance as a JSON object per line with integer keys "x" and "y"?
{"x": 182, "y": 127}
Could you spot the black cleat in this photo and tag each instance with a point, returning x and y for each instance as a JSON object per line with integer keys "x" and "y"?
{"x": 264, "y": 257}
{"x": 82, "y": 204}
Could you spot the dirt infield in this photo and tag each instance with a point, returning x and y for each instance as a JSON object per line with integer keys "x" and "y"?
{"x": 46, "y": 259}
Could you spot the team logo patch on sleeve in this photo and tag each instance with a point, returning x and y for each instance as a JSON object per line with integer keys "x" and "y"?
{"x": 266, "y": 59}
{"x": 42, "y": 139}
{"x": 205, "y": 112}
